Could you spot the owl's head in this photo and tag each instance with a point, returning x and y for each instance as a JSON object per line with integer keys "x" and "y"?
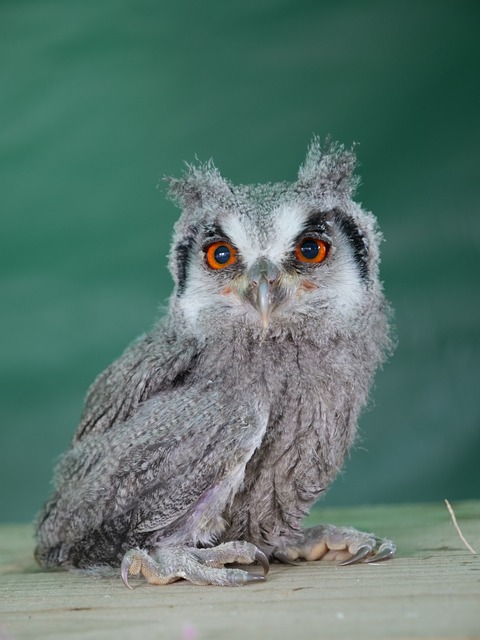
{"x": 273, "y": 256}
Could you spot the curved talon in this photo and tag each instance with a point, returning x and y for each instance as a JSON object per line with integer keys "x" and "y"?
{"x": 253, "y": 577}
{"x": 383, "y": 554}
{"x": 239, "y": 577}
{"x": 263, "y": 560}
{"x": 357, "y": 557}
{"x": 125, "y": 566}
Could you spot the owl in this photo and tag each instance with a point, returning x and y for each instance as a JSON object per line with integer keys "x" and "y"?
{"x": 207, "y": 442}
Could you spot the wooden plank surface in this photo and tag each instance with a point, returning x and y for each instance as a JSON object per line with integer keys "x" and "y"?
{"x": 430, "y": 590}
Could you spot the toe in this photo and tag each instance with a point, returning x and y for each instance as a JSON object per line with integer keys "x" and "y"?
{"x": 361, "y": 554}
{"x": 239, "y": 578}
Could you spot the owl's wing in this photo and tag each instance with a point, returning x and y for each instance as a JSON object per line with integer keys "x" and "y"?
{"x": 152, "y": 363}
{"x": 170, "y": 469}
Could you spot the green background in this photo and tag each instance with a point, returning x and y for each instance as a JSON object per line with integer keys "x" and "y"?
{"x": 99, "y": 99}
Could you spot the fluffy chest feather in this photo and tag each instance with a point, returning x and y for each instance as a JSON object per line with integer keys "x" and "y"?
{"x": 312, "y": 419}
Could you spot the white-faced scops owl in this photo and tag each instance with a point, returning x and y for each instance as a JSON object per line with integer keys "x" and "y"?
{"x": 209, "y": 439}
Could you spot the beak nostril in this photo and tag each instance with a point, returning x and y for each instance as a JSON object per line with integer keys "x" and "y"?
{"x": 264, "y": 270}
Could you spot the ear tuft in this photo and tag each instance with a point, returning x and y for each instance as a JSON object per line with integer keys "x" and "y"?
{"x": 328, "y": 167}
{"x": 200, "y": 183}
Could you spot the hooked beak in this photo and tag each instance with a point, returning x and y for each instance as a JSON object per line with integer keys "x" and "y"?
{"x": 263, "y": 291}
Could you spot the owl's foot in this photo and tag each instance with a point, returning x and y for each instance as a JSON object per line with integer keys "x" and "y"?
{"x": 199, "y": 566}
{"x": 327, "y": 542}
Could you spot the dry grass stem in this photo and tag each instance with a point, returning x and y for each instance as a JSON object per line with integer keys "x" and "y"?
{"x": 462, "y": 537}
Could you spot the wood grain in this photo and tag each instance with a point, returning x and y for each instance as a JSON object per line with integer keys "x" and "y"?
{"x": 430, "y": 590}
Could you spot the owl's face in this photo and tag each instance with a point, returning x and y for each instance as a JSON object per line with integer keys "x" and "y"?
{"x": 271, "y": 257}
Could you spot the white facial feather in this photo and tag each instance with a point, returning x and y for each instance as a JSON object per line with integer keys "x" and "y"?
{"x": 342, "y": 286}
{"x": 338, "y": 281}
{"x": 198, "y": 294}
{"x": 287, "y": 221}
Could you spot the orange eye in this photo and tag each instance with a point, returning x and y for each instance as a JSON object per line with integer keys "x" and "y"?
{"x": 220, "y": 255}
{"x": 312, "y": 250}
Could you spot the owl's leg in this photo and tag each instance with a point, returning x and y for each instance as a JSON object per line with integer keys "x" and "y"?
{"x": 327, "y": 542}
{"x": 200, "y": 566}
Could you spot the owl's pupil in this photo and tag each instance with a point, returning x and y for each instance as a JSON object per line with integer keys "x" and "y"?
{"x": 309, "y": 249}
{"x": 222, "y": 254}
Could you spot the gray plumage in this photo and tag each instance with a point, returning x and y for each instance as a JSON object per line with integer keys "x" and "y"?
{"x": 228, "y": 421}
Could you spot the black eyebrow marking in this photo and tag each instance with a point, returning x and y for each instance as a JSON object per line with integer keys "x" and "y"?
{"x": 215, "y": 231}
{"x": 358, "y": 242}
{"x": 183, "y": 254}
{"x": 316, "y": 223}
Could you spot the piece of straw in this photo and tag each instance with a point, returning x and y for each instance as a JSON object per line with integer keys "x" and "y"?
{"x": 455, "y": 523}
